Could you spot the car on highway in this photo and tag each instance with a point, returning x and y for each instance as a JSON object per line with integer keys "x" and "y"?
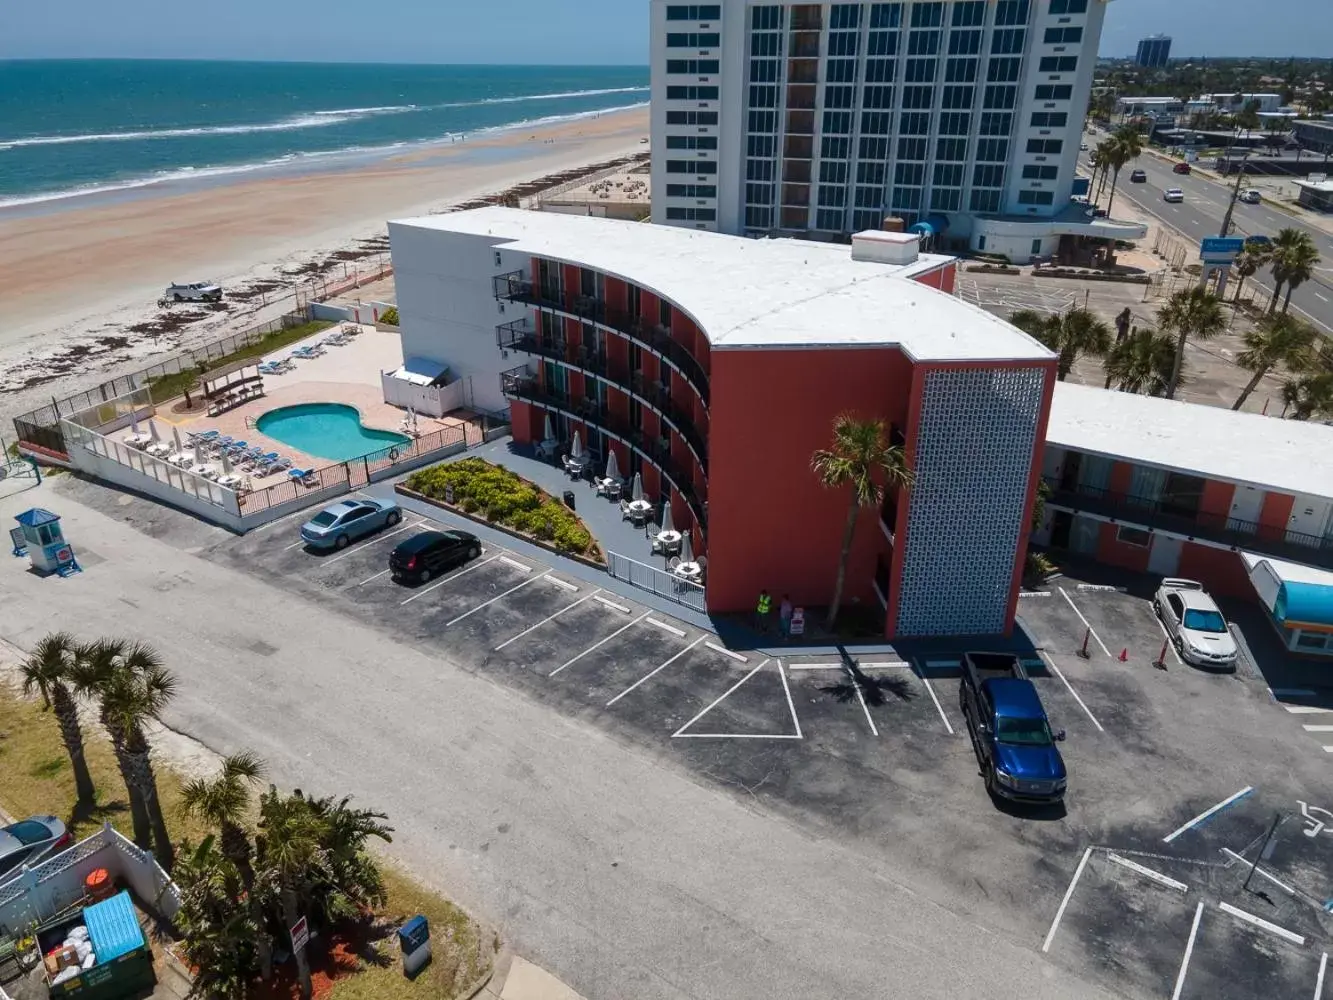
{"x": 1251, "y": 196}
{"x": 431, "y": 553}
{"x": 1010, "y": 733}
{"x": 29, "y": 841}
{"x": 194, "y": 291}
{"x": 1194, "y": 625}
{"x": 1181, "y": 168}
{"x": 1257, "y": 242}
{"x": 344, "y": 522}
{"x": 1139, "y": 177}
{"x": 1173, "y": 195}
{"x": 1082, "y": 147}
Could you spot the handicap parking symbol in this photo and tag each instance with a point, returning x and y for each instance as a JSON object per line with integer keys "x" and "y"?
{"x": 1316, "y": 826}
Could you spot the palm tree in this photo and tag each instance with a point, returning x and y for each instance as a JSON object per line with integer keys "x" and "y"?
{"x": 1102, "y": 157}
{"x": 1127, "y": 145}
{"x": 1142, "y": 362}
{"x": 1277, "y": 339}
{"x": 1069, "y": 335}
{"x": 1247, "y": 265}
{"x": 859, "y": 452}
{"x": 1308, "y": 396}
{"x": 132, "y": 686}
{"x": 223, "y": 803}
{"x": 289, "y": 846}
{"x": 1294, "y": 258}
{"x": 50, "y": 670}
{"x": 217, "y": 934}
{"x": 1191, "y": 312}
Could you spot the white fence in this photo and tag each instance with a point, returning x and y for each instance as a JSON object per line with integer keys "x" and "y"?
{"x": 432, "y": 400}
{"x": 36, "y": 894}
{"x": 656, "y": 581}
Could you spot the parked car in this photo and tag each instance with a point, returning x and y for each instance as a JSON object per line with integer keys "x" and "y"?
{"x": 1082, "y": 147}
{"x": 1251, "y": 196}
{"x": 431, "y": 553}
{"x": 195, "y": 291}
{"x": 347, "y": 520}
{"x": 29, "y": 841}
{"x": 1011, "y": 735}
{"x": 1139, "y": 177}
{"x": 1173, "y": 195}
{"x": 1181, "y": 168}
{"x": 1194, "y": 624}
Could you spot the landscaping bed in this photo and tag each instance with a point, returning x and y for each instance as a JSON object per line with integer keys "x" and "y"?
{"x": 166, "y": 387}
{"x": 492, "y": 494}
{"x": 993, "y": 269}
{"x": 1066, "y": 272}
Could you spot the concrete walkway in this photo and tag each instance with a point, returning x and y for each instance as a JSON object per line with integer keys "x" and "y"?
{"x": 518, "y": 979}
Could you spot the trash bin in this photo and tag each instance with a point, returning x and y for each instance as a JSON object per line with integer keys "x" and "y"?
{"x": 414, "y": 943}
{"x": 569, "y": 499}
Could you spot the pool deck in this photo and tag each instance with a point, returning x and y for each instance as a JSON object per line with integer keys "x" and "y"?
{"x": 348, "y": 374}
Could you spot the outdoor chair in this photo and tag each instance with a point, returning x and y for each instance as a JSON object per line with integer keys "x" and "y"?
{"x": 673, "y": 563}
{"x": 613, "y": 490}
{"x": 9, "y": 955}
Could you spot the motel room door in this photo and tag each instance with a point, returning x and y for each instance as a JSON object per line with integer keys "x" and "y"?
{"x": 1164, "y": 558}
{"x": 1245, "y": 507}
{"x": 1310, "y": 517}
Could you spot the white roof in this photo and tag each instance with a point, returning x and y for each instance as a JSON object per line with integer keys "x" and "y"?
{"x": 1292, "y": 456}
{"x": 746, "y": 293}
{"x": 420, "y": 371}
{"x": 1289, "y": 572}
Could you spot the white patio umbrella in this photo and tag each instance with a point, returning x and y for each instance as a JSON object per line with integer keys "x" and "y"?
{"x": 134, "y": 423}
{"x": 686, "y": 549}
{"x": 550, "y": 431}
{"x": 576, "y": 450}
{"x": 666, "y": 517}
{"x": 226, "y": 463}
{"x": 198, "y": 454}
{"x": 612, "y": 467}
{"x": 176, "y": 436}
{"x": 636, "y": 491}
{"x": 152, "y": 430}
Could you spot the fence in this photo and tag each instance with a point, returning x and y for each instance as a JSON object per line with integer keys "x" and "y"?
{"x": 36, "y": 894}
{"x": 656, "y": 581}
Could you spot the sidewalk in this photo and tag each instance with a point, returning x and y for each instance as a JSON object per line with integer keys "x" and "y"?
{"x": 518, "y": 979}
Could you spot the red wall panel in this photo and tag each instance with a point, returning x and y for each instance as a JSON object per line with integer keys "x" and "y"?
{"x": 1216, "y": 500}
{"x": 525, "y": 422}
{"x": 1221, "y": 571}
{"x": 1122, "y": 477}
{"x": 616, "y": 293}
{"x": 652, "y": 482}
{"x": 1275, "y": 515}
{"x": 1117, "y": 553}
{"x": 570, "y": 282}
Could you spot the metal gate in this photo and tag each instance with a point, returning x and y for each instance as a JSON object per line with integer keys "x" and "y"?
{"x": 656, "y": 581}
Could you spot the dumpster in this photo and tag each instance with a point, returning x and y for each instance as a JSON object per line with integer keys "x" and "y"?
{"x": 569, "y": 499}
{"x": 97, "y": 953}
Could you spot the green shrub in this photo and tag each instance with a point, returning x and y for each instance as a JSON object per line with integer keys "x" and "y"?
{"x": 390, "y": 316}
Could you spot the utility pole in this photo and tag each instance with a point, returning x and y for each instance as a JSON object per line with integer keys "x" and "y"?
{"x": 1235, "y": 190}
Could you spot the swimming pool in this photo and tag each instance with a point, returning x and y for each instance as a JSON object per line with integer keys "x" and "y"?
{"x": 326, "y": 430}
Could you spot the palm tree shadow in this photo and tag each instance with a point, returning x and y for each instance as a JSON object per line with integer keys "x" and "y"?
{"x": 96, "y": 812}
{"x": 874, "y": 690}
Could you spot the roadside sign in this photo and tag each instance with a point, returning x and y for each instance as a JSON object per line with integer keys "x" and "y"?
{"x": 1221, "y": 249}
{"x": 300, "y": 934}
{"x": 797, "y": 626}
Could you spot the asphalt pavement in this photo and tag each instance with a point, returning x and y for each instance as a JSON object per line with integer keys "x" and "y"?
{"x": 1201, "y": 214}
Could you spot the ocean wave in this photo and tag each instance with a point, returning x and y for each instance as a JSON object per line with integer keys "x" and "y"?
{"x": 313, "y": 119}
{"x": 289, "y": 159}
{"x": 546, "y": 97}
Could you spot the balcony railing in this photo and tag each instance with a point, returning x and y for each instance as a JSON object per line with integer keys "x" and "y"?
{"x": 522, "y": 335}
{"x": 520, "y": 383}
{"x": 514, "y": 287}
{"x": 1216, "y": 528}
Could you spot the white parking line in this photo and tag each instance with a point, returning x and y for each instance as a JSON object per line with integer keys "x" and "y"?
{"x": 562, "y": 584}
{"x": 370, "y": 541}
{"x": 1307, "y": 709}
{"x": 613, "y": 605}
{"x": 1051, "y": 663}
{"x": 1069, "y": 892}
{"x": 600, "y": 642}
{"x": 681, "y": 734}
{"x": 1086, "y": 623}
{"x": 1322, "y": 298}
{"x": 1208, "y": 812}
{"x": 375, "y": 577}
{"x": 549, "y": 618}
{"x": 791, "y": 704}
{"x": 726, "y": 652}
{"x": 655, "y": 671}
{"x": 497, "y": 597}
{"x": 1189, "y": 950}
{"x": 678, "y": 632}
{"x": 516, "y": 564}
{"x": 860, "y": 696}
{"x": 448, "y": 579}
{"x": 1146, "y": 872}
{"x": 1260, "y": 922}
{"x": 885, "y": 665}
{"x": 938, "y": 707}
{"x": 814, "y": 666}
{"x": 1319, "y": 983}
{"x": 288, "y": 548}
{"x": 1259, "y": 871}
{"x": 1318, "y": 729}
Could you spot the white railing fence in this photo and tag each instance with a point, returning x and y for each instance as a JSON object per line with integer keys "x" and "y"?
{"x": 656, "y": 581}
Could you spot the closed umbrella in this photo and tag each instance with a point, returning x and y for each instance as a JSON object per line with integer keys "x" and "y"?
{"x": 226, "y": 463}
{"x": 198, "y": 454}
{"x": 666, "y": 517}
{"x": 176, "y": 436}
{"x": 686, "y": 549}
{"x": 134, "y": 423}
{"x": 550, "y": 431}
{"x": 576, "y": 450}
{"x": 612, "y": 467}
{"x": 152, "y": 430}
{"x": 636, "y": 491}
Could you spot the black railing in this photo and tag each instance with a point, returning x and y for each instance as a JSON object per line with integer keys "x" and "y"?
{"x": 522, "y": 384}
{"x": 522, "y": 335}
{"x": 1216, "y": 528}
{"x": 513, "y": 287}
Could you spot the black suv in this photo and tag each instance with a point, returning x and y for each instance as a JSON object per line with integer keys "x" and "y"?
{"x": 1139, "y": 177}
{"x": 431, "y": 552}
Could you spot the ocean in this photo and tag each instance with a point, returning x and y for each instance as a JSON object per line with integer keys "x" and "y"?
{"x": 76, "y": 127}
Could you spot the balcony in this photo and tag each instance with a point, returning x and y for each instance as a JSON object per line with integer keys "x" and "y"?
{"x": 1214, "y": 528}
{"x": 522, "y": 384}
{"x": 514, "y": 287}
{"x": 800, "y": 98}
{"x": 796, "y": 195}
{"x": 800, "y": 123}
{"x": 796, "y": 171}
{"x": 522, "y": 335}
{"x": 798, "y": 147}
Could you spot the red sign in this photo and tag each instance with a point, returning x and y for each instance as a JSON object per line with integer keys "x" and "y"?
{"x": 300, "y": 934}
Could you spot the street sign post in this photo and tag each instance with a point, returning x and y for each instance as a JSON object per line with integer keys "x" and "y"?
{"x": 1221, "y": 249}
{"x": 300, "y": 935}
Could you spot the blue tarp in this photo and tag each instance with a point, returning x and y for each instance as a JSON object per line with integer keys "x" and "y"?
{"x": 931, "y": 226}
{"x": 113, "y": 928}
{"x": 1308, "y": 603}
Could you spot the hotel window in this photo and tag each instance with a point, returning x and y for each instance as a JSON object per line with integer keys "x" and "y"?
{"x": 845, "y": 15}
{"x": 872, "y": 148}
{"x": 702, "y": 66}
{"x": 911, "y": 149}
{"x": 766, "y": 18}
{"x": 927, "y": 15}
{"x": 995, "y": 123}
{"x": 870, "y": 197}
{"x": 1045, "y": 147}
{"x": 694, "y": 12}
{"x": 946, "y": 200}
{"x": 1054, "y": 92}
{"x": 877, "y": 97}
{"x": 839, "y": 97}
{"x": 842, "y": 43}
{"x": 765, "y": 45}
{"x": 955, "y": 123}
{"x": 948, "y": 175}
{"x": 832, "y": 196}
{"x": 839, "y": 122}
{"x": 964, "y": 43}
{"x": 758, "y": 218}
{"x": 912, "y": 123}
{"x": 760, "y": 97}
{"x": 985, "y": 201}
{"x": 870, "y": 173}
{"x": 907, "y": 198}
{"x": 923, "y": 43}
{"x": 992, "y": 150}
{"x": 920, "y": 70}
{"x": 829, "y": 220}
{"x": 759, "y": 194}
{"x": 1003, "y": 70}
{"x": 691, "y": 190}
{"x": 951, "y": 149}
{"x": 761, "y": 145}
{"x": 1049, "y": 119}
{"x": 691, "y": 214}
{"x": 1058, "y": 64}
{"x": 1011, "y": 12}
{"x": 1063, "y": 36}
{"x": 691, "y": 142}
{"x": 918, "y": 98}
{"x": 763, "y": 71}
{"x": 969, "y": 14}
{"x": 1069, "y": 6}
{"x": 834, "y": 147}
{"x": 832, "y": 172}
{"x": 886, "y": 15}
{"x": 909, "y": 174}
{"x": 692, "y": 93}
{"x": 875, "y": 123}
{"x": 880, "y": 70}
{"x": 958, "y": 97}
{"x": 1036, "y": 197}
{"x": 759, "y": 170}
{"x": 691, "y": 167}
{"x": 693, "y": 40}
{"x": 988, "y": 175}
{"x": 1007, "y": 41}
{"x": 761, "y": 121}
{"x": 691, "y": 118}
{"x": 1040, "y": 172}
{"x": 960, "y": 71}
{"x": 999, "y": 96}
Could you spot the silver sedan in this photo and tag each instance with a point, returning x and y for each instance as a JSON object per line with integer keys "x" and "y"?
{"x": 1194, "y": 624}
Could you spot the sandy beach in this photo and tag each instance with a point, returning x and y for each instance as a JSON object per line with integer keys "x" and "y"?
{"x": 77, "y": 277}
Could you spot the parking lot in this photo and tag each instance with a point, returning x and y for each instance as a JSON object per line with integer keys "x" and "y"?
{"x": 872, "y": 749}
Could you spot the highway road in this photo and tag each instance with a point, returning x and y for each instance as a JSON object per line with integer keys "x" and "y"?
{"x": 1201, "y": 215}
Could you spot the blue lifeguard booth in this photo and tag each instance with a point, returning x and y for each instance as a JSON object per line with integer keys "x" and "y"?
{"x": 40, "y": 537}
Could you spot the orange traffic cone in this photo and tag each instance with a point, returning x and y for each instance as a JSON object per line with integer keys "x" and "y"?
{"x": 1124, "y": 655}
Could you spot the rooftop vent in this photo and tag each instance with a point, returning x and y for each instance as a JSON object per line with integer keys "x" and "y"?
{"x": 885, "y": 248}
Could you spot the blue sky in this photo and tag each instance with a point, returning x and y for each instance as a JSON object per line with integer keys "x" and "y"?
{"x": 540, "y": 31}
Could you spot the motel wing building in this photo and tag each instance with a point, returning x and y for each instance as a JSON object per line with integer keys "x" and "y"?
{"x": 961, "y": 117}
{"x": 715, "y": 366}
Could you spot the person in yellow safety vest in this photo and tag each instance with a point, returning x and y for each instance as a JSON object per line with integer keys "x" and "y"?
{"x": 762, "y": 610}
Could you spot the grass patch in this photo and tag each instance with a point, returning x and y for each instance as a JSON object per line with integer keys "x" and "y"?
{"x": 166, "y": 387}
{"x": 505, "y": 498}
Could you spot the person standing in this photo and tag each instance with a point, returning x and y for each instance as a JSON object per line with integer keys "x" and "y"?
{"x": 762, "y": 609}
{"x": 784, "y": 617}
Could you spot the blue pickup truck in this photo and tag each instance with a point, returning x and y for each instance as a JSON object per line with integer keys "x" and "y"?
{"x": 1011, "y": 735}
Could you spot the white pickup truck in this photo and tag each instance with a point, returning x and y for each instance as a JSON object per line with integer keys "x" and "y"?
{"x": 195, "y": 291}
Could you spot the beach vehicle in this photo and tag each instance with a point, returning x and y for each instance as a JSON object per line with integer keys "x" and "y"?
{"x": 195, "y": 291}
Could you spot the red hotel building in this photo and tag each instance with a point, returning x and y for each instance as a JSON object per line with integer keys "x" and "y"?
{"x": 715, "y": 366}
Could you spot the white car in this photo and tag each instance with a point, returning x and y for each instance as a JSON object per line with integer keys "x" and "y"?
{"x": 1194, "y": 624}
{"x": 195, "y": 291}
{"x": 1251, "y": 196}
{"x": 1173, "y": 195}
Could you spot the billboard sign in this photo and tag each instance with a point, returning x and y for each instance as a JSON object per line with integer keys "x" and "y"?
{"x": 1221, "y": 249}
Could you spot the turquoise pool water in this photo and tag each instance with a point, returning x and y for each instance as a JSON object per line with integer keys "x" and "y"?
{"x": 326, "y": 430}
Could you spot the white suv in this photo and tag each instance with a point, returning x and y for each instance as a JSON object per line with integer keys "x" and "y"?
{"x": 195, "y": 291}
